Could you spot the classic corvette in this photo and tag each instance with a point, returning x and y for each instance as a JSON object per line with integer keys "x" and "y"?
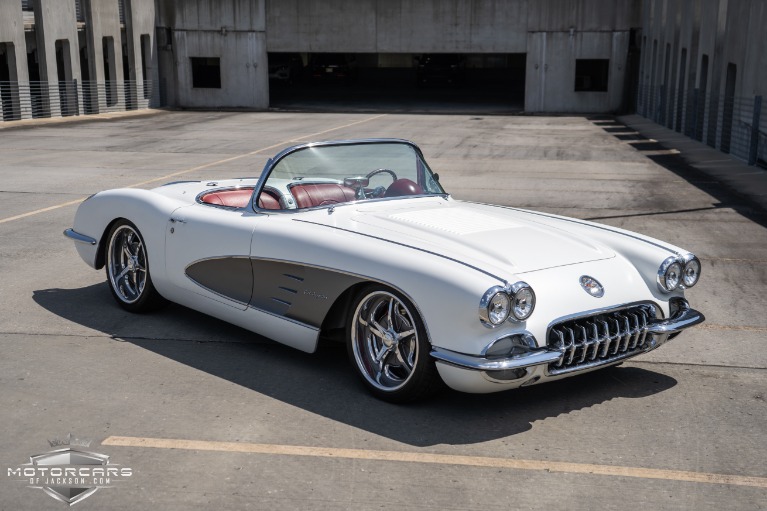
{"x": 357, "y": 239}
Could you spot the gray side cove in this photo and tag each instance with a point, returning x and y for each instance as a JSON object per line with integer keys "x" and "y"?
{"x": 231, "y": 277}
{"x": 298, "y": 292}
{"x": 302, "y": 293}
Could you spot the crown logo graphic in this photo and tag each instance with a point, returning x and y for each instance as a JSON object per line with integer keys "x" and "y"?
{"x": 70, "y": 441}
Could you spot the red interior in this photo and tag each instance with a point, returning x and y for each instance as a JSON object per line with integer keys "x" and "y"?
{"x": 239, "y": 197}
{"x": 268, "y": 200}
{"x": 321, "y": 194}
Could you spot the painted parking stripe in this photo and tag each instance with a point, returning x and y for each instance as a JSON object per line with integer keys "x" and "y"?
{"x": 199, "y": 167}
{"x": 439, "y": 459}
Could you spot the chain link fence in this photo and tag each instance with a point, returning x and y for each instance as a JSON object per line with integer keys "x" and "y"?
{"x": 733, "y": 124}
{"x": 30, "y": 100}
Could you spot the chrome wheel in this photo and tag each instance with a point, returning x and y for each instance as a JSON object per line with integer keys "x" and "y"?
{"x": 384, "y": 341}
{"x": 126, "y": 264}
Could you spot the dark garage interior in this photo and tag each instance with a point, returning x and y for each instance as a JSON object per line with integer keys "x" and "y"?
{"x": 397, "y": 81}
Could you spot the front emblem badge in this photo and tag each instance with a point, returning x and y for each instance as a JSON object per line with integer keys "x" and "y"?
{"x": 592, "y": 286}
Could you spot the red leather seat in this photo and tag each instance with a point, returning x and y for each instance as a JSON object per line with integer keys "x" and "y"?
{"x": 268, "y": 200}
{"x": 235, "y": 198}
{"x": 321, "y": 194}
{"x": 402, "y": 187}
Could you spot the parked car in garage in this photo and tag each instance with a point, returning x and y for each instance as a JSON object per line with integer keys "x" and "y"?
{"x": 285, "y": 68}
{"x": 440, "y": 68}
{"x": 333, "y": 67}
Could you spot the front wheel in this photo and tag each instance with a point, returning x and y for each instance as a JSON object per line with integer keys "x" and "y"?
{"x": 388, "y": 347}
{"x": 127, "y": 269}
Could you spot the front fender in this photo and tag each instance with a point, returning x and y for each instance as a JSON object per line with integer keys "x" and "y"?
{"x": 147, "y": 210}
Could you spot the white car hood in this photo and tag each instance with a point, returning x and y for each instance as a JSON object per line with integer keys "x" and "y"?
{"x": 484, "y": 236}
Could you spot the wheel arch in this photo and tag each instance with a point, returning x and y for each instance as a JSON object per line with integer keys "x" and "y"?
{"x": 102, "y": 246}
{"x": 339, "y": 313}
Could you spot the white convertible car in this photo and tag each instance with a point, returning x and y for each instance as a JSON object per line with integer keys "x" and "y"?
{"x": 359, "y": 238}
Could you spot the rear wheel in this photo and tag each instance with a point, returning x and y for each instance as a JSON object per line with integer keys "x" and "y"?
{"x": 127, "y": 269}
{"x": 388, "y": 346}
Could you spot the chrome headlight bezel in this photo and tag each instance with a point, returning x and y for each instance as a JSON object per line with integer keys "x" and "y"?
{"x": 517, "y": 290}
{"x": 485, "y": 314}
{"x": 681, "y": 262}
{"x": 690, "y": 259}
{"x": 513, "y": 294}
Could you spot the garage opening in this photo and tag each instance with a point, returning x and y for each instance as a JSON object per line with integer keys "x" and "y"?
{"x": 397, "y": 81}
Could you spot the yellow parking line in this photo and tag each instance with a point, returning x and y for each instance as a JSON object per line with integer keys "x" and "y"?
{"x": 199, "y": 167}
{"x": 440, "y": 459}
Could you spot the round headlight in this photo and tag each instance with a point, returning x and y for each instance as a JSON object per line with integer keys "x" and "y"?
{"x": 523, "y": 302}
{"x": 498, "y": 309}
{"x": 691, "y": 272}
{"x": 494, "y": 307}
{"x": 672, "y": 276}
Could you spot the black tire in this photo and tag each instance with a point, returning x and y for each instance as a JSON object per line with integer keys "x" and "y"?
{"x": 394, "y": 367}
{"x": 127, "y": 269}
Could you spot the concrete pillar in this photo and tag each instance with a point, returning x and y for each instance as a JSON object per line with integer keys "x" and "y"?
{"x": 12, "y": 34}
{"x": 142, "y": 52}
{"x": 56, "y": 21}
{"x": 102, "y": 25}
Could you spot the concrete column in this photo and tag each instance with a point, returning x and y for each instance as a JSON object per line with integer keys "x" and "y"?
{"x": 12, "y": 33}
{"x": 102, "y": 20}
{"x": 142, "y": 53}
{"x": 55, "y": 20}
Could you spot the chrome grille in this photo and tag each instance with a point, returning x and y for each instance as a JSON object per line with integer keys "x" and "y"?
{"x": 600, "y": 338}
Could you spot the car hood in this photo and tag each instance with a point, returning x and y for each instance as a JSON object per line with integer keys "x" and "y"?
{"x": 488, "y": 237}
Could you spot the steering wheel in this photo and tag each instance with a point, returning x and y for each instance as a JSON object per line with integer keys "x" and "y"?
{"x": 382, "y": 171}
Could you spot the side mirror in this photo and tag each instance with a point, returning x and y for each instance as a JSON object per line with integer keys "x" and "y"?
{"x": 436, "y": 176}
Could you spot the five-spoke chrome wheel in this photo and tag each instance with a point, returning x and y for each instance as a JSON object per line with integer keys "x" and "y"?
{"x": 127, "y": 269}
{"x": 388, "y": 346}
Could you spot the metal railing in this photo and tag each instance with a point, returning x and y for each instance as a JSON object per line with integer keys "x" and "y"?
{"x": 29, "y": 100}
{"x": 732, "y": 124}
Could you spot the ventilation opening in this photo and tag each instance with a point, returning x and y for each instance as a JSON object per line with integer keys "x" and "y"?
{"x": 206, "y": 72}
{"x": 591, "y": 75}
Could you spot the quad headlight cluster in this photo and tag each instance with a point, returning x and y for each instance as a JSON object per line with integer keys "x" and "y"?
{"x": 678, "y": 272}
{"x": 501, "y": 303}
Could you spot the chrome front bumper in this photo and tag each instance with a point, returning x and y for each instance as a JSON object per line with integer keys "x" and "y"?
{"x": 683, "y": 318}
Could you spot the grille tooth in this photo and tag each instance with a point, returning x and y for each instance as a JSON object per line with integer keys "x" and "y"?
{"x": 585, "y": 343}
{"x": 600, "y": 338}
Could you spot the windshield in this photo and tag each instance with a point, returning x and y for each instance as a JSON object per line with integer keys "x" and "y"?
{"x": 324, "y": 175}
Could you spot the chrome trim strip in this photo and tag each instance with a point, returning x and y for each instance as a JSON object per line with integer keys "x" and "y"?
{"x": 80, "y": 238}
{"x": 198, "y": 198}
{"x": 272, "y": 162}
{"x": 476, "y": 363}
{"x": 685, "y": 317}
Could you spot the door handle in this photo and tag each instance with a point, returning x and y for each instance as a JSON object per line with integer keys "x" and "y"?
{"x": 179, "y": 220}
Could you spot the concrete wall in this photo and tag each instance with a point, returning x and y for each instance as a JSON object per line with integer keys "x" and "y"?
{"x": 673, "y": 80}
{"x": 550, "y": 74}
{"x": 233, "y": 31}
{"x": 561, "y": 32}
{"x": 397, "y": 26}
{"x": 12, "y": 31}
{"x": 553, "y": 33}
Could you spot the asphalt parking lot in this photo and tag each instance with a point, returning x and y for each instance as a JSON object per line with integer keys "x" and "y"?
{"x": 208, "y": 415}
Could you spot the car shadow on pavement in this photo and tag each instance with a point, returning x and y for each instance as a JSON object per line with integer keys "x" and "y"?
{"x": 323, "y": 383}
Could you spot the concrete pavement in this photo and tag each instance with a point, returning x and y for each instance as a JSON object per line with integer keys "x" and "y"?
{"x": 681, "y": 428}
